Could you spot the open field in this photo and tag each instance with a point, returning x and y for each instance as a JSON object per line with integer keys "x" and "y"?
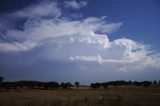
{"x": 123, "y": 96}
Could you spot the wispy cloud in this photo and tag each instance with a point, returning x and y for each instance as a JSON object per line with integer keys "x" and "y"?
{"x": 74, "y": 4}
{"x": 42, "y": 9}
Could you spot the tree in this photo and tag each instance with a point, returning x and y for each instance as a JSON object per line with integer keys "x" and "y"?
{"x": 95, "y": 85}
{"x": 105, "y": 85}
{"x": 66, "y": 85}
{"x": 154, "y": 82}
{"x": 92, "y": 85}
{"x": 76, "y": 84}
{"x": 53, "y": 85}
{"x": 137, "y": 83}
{"x": 69, "y": 85}
{"x": 146, "y": 83}
{"x": 98, "y": 85}
{"x": 129, "y": 83}
{"x": 1, "y": 78}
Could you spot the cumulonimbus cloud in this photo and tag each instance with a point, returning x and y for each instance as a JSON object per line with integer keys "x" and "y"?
{"x": 75, "y": 40}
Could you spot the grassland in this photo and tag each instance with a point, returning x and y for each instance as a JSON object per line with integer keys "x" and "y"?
{"x": 123, "y": 96}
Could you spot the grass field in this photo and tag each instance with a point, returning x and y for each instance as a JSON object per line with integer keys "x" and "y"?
{"x": 123, "y": 96}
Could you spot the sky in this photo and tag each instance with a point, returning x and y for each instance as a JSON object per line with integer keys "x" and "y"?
{"x": 79, "y": 40}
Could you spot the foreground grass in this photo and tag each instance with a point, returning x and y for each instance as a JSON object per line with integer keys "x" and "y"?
{"x": 82, "y": 97}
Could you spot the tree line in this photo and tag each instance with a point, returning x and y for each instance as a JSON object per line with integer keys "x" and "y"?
{"x": 35, "y": 85}
{"x": 55, "y": 85}
{"x": 123, "y": 83}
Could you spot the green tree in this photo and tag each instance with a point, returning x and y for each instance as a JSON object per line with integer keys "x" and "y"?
{"x": 154, "y": 82}
{"x": 66, "y": 85}
{"x": 95, "y": 85}
{"x": 53, "y": 85}
{"x": 76, "y": 84}
{"x": 105, "y": 85}
{"x": 1, "y": 78}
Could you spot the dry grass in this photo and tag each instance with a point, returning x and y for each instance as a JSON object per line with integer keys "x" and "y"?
{"x": 124, "y": 96}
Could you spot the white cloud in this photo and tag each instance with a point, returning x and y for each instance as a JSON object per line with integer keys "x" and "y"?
{"x": 17, "y": 47}
{"x": 83, "y": 40}
{"x": 74, "y": 4}
{"x": 123, "y": 69}
{"x": 39, "y": 31}
{"x": 43, "y": 9}
{"x": 88, "y": 58}
{"x": 124, "y": 53}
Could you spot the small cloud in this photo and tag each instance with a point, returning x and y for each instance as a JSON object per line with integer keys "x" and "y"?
{"x": 17, "y": 46}
{"x": 74, "y": 4}
{"x": 42, "y": 9}
{"x": 123, "y": 69}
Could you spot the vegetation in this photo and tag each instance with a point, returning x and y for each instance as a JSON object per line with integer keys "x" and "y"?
{"x": 76, "y": 84}
{"x": 120, "y": 83}
{"x": 1, "y": 78}
{"x": 66, "y": 85}
{"x": 124, "y": 96}
{"x": 112, "y": 93}
{"x": 55, "y": 85}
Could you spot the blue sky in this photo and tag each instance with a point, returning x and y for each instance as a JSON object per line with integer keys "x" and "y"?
{"x": 140, "y": 18}
{"x": 80, "y": 40}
